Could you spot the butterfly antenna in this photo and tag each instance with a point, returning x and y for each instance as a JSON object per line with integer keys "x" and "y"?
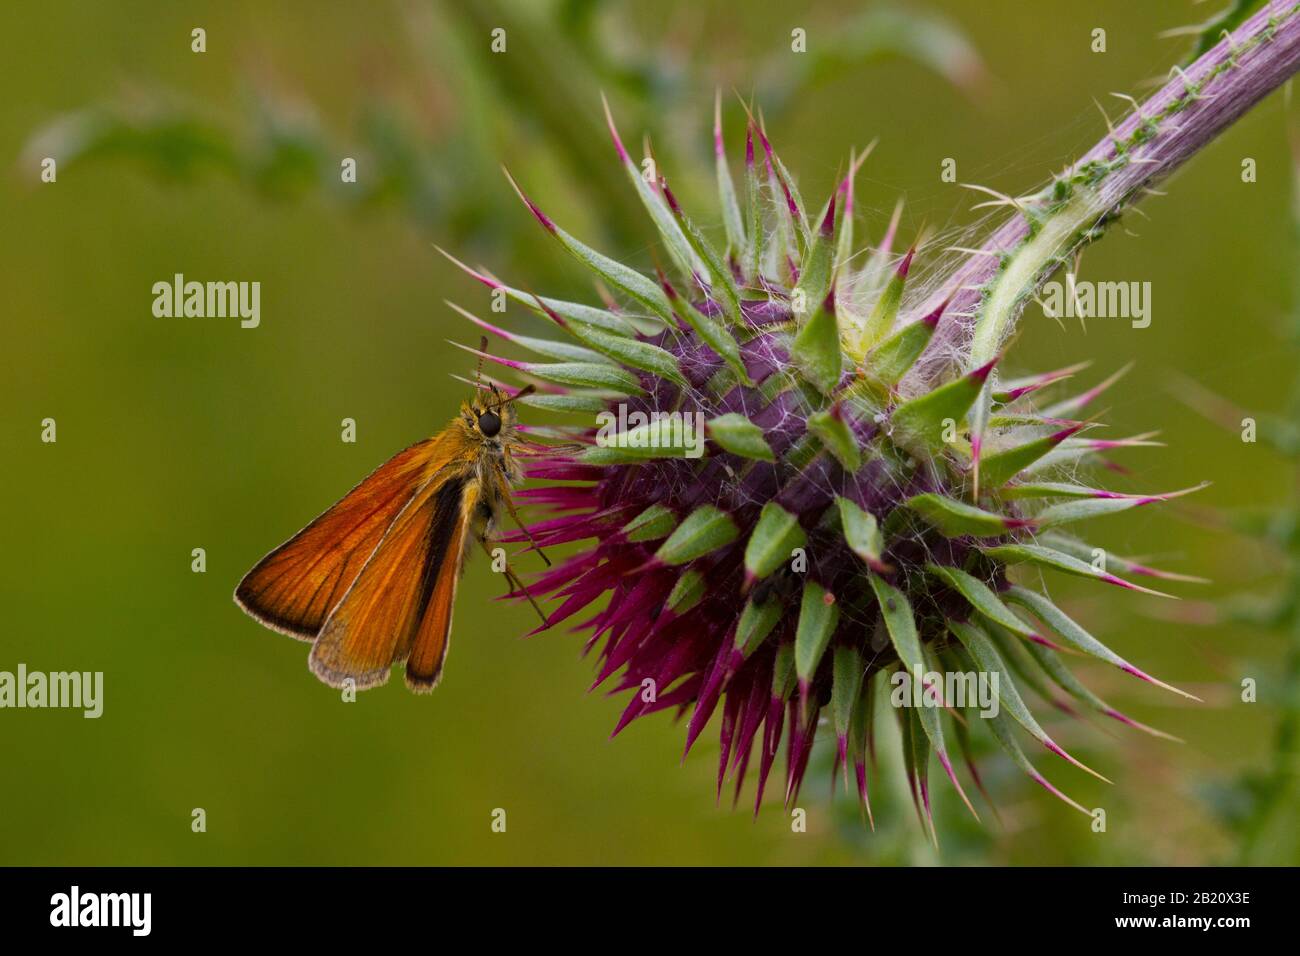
{"x": 478, "y": 371}
{"x": 526, "y": 390}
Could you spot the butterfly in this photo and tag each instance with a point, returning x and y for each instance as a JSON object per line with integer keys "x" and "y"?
{"x": 372, "y": 581}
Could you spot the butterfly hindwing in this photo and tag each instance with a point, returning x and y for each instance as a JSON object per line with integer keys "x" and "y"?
{"x": 429, "y": 650}
{"x": 400, "y": 603}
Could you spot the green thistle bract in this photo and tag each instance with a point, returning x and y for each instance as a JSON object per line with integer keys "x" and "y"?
{"x": 848, "y": 518}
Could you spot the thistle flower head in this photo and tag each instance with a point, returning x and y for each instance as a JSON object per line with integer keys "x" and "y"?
{"x": 852, "y": 512}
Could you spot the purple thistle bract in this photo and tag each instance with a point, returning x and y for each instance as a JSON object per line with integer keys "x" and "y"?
{"x": 850, "y": 516}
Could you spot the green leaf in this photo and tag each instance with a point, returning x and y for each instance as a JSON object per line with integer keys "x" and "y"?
{"x": 776, "y": 534}
{"x": 844, "y": 250}
{"x": 1009, "y": 390}
{"x": 906, "y": 724}
{"x": 996, "y": 470}
{"x": 661, "y": 437}
{"x": 986, "y": 656}
{"x": 955, "y": 519}
{"x": 817, "y": 622}
{"x": 901, "y": 625}
{"x": 586, "y": 375}
{"x": 979, "y": 423}
{"x": 1026, "y": 673}
{"x": 754, "y": 201}
{"x": 916, "y": 757}
{"x": 834, "y": 432}
{"x": 737, "y": 434}
{"x": 1049, "y": 558}
{"x": 616, "y": 275}
{"x": 982, "y": 598}
{"x": 718, "y": 339}
{"x": 1050, "y": 489}
{"x": 787, "y": 182}
{"x": 1005, "y": 736}
{"x": 573, "y": 312}
{"x": 816, "y": 349}
{"x": 783, "y": 674}
{"x": 727, "y": 189}
{"x": 756, "y": 622}
{"x": 687, "y": 592}
{"x": 1085, "y": 552}
{"x": 585, "y": 403}
{"x": 608, "y": 456}
{"x": 673, "y": 239}
{"x": 882, "y": 317}
{"x": 815, "y": 274}
{"x": 847, "y": 670}
{"x": 860, "y": 733}
{"x": 549, "y": 348}
{"x": 1082, "y": 510}
{"x": 577, "y": 314}
{"x": 862, "y": 534}
{"x": 1061, "y": 675}
{"x": 1096, "y": 507}
{"x": 920, "y": 421}
{"x": 892, "y": 358}
{"x": 705, "y": 530}
{"x": 897, "y": 614}
{"x": 652, "y": 524}
{"x": 722, "y": 285}
{"x": 632, "y": 352}
{"x": 1065, "y": 627}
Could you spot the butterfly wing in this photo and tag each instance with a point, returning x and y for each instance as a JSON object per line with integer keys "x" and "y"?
{"x": 429, "y": 649}
{"x": 294, "y": 588}
{"x": 400, "y": 605}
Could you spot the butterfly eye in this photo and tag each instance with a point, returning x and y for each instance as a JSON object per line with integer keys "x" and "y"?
{"x": 489, "y": 423}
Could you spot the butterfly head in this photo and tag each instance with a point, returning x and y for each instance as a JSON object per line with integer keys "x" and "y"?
{"x": 491, "y": 413}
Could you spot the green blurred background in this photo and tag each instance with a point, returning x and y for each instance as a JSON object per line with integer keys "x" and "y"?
{"x": 177, "y": 434}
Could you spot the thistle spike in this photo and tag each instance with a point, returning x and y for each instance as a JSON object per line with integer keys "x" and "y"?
{"x": 816, "y": 348}
{"x": 981, "y": 648}
{"x": 881, "y": 321}
{"x": 920, "y": 422}
{"x": 833, "y": 429}
{"x": 731, "y": 220}
{"x": 888, "y": 362}
{"x": 704, "y": 530}
{"x": 818, "y": 617}
{"x": 776, "y": 534}
{"x": 675, "y": 241}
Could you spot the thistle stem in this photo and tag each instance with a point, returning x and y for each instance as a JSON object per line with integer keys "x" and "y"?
{"x": 1187, "y": 113}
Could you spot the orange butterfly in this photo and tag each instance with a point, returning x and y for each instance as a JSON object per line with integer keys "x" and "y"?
{"x": 372, "y": 581}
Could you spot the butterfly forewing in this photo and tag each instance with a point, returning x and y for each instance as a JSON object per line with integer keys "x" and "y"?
{"x": 400, "y": 602}
{"x": 294, "y": 588}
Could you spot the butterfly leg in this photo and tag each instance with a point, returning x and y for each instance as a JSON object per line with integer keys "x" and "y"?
{"x": 510, "y": 507}
{"x": 515, "y": 583}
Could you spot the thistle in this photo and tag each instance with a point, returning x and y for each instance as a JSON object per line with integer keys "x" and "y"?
{"x": 870, "y": 500}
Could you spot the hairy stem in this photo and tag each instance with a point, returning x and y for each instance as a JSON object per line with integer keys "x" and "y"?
{"x": 1197, "y": 104}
